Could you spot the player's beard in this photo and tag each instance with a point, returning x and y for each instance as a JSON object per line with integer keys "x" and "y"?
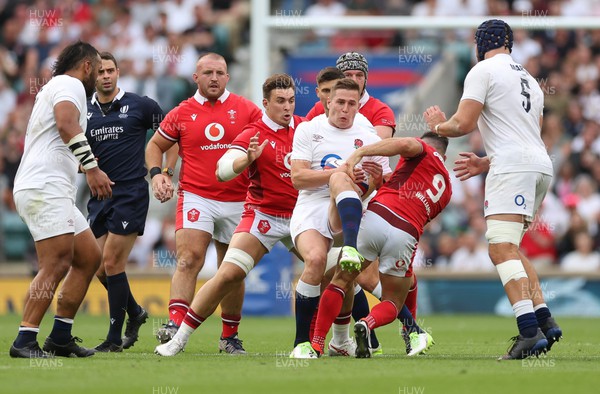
{"x": 89, "y": 84}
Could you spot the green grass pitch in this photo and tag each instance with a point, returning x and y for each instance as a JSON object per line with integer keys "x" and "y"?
{"x": 463, "y": 360}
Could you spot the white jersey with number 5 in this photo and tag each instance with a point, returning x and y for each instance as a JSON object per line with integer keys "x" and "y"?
{"x": 46, "y": 158}
{"x": 510, "y": 120}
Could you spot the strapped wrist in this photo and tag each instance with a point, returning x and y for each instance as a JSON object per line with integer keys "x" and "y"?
{"x": 82, "y": 151}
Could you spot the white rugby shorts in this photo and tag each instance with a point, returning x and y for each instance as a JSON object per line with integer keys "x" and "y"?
{"x": 215, "y": 217}
{"x": 268, "y": 229}
{"x": 50, "y": 211}
{"x": 518, "y": 193}
{"x": 394, "y": 247}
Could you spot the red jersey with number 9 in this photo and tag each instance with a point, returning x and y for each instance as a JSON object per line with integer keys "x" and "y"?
{"x": 204, "y": 133}
{"x": 419, "y": 188}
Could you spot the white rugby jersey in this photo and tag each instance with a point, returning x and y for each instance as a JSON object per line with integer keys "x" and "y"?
{"x": 510, "y": 120}
{"x": 320, "y": 143}
{"x": 46, "y": 158}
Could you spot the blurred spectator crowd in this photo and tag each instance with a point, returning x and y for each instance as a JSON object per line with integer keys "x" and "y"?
{"x": 158, "y": 42}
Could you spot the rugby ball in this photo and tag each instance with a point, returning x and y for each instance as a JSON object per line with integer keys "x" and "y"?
{"x": 335, "y": 163}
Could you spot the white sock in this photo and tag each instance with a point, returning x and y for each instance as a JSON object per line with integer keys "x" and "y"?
{"x": 522, "y": 307}
{"x": 307, "y": 290}
{"x": 377, "y": 291}
{"x": 340, "y": 333}
{"x": 183, "y": 333}
{"x": 538, "y": 306}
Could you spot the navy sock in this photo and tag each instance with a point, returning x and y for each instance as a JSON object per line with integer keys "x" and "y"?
{"x": 118, "y": 294}
{"x": 26, "y": 335}
{"x": 408, "y": 321}
{"x": 305, "y": 309}
{"x": 350, "y": 210}
{"x": 360, "y": 309}
{"x": 61, "y": 331}
{"x": 542, "y": 315}
{"x": 527, "y": 324}
{"x": 133, "y": 308}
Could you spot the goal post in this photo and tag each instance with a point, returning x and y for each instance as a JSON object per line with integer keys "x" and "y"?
{"x": 263, "y": 24}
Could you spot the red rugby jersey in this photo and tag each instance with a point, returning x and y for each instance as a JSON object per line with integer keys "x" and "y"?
{"x": 204, "y": 133}
{"x": 271, "y": 189}
{"x": 378, "y": 113}
{"x": 419, "y": 188}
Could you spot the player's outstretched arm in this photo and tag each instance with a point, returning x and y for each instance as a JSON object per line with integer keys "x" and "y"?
{"x": 461, "y": 123}
{"x": 405, "y": 147}
{"x": 235, "y": 161}
{"x": 470, "y": 165}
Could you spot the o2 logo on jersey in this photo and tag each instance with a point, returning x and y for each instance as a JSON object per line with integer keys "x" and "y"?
{"x": 287, "y": 161}
{"x": 330, "y": 161}
{"x": 520, "y": 201}
{"x": 214, "y": 132}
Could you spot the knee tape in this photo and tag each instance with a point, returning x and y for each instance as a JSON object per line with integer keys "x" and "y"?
{"x": 239, "y": 258}
{"x": 511, "y": 270}
{"x": 500, "y": 231}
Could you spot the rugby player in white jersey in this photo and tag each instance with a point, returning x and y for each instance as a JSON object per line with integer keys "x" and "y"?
{"x": 505, "y": 102}
{"x": 55, "y": 146}
{"x": 326, "y": 194}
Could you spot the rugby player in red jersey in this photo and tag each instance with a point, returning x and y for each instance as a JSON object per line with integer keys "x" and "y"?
{"x": 264, "y": 148}
{"x": 204, "y": 127}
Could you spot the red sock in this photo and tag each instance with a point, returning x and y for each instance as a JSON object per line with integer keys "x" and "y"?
{"x": 177, "y": 310}
{"x": 329, "y": 308}
{"x": 313, "y": 323}
{"x": 411, "y": 298}
{"x": 344, "y": 317}
{"x": 383, "y": 313}
{"x": 230, "y": 324}
{"x": 192, "y": 319}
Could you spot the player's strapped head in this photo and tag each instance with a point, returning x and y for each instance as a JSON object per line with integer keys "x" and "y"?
{"x": 329, "y": 74}
{"x": 353, "y": 61}
{"x": 72, "y": 56}
{"x": 277, "y": 81}
{"x": 438, "y": 142}
{"x": 344, "y": 84}
{"x": 109, "y": 56}
{"x": 492, "y": 34}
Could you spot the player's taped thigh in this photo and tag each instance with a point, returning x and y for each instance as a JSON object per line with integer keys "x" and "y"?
{"x": 500, "y": 231}
{"x": 511, "y": 270}
{"x": 239, "y": 258}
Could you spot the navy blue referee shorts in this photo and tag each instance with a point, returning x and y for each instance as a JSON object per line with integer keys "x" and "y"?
{"x": 124, "y": 213}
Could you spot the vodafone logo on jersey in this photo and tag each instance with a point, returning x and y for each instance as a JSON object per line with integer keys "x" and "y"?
{"x": 214, "y": 132}
{"x": 287, "y": 162}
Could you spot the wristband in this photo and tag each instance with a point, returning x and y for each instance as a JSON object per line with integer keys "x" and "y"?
{"x": 437, "y": 128}
{"x": 82, "y": 151}
{"x": 155, "y": 171}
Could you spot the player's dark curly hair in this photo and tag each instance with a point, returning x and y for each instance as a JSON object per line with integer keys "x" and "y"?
{"x": 70, "y": 57}
{"x": 277, "y": 81}
{"x": 438, "y": 142}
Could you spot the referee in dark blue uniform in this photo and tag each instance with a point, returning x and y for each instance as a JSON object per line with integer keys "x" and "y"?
{"x": 116, "y": 130}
